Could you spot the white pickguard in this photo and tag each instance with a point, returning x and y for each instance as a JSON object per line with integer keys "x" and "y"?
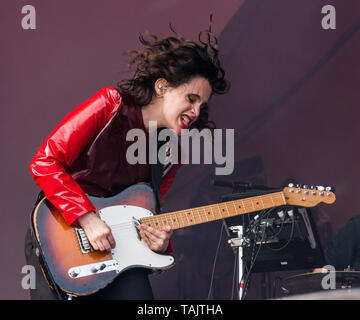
{"x": 130, "y": 250}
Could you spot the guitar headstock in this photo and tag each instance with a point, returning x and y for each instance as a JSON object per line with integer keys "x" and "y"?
{"x": 303, "y": 196}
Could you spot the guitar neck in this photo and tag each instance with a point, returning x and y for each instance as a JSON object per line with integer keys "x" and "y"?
{"x": 190, "y": 217}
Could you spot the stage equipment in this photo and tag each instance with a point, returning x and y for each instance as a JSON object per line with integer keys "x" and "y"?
{"x": 276, "y": 239}
{"x": 320, "y": 281}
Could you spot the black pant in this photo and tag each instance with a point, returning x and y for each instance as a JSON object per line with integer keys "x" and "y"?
{"x": 132, "y": 284}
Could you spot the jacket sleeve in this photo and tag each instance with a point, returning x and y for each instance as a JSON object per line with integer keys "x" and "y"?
{"x": 64, "y": 145}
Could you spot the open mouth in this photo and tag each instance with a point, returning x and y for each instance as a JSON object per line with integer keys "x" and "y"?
{"x": 185, "y": 121}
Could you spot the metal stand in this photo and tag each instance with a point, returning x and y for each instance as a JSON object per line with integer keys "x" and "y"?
{"x": 237, "y": 243}
{"x": 239, "y": 190}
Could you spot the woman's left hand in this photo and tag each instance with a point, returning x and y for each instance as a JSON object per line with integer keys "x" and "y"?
{"x": 156, "y": 240}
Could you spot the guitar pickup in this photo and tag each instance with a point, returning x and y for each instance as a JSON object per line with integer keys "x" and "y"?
{"x": 84, "y": 243}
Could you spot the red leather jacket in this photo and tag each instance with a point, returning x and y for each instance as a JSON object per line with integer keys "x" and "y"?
{"x": 59, "y": 170}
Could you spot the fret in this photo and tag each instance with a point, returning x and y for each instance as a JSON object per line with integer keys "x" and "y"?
{"x": 282, "y": 194}
{"x": 192, "y": 221}
{"x": 262, "y": 202}
{"x": 174, "y": 220}
{"x": 227, "y": 210}
{"x": 219, "y": 211}
{"x": 252, "y": 204}
{"x": 171, "y": 221}
{"x": 167, "y": 223}
{"x": 207, "y": 219}
{"x": 182, "y": 220}
{"x": 157, "y": 222}
{"x": 153, "y": 219}
{"x": 177, "y": 220}
{"x": 272, "y": 200}
{"x": 187, "y": 218}
{"x": 236, "y": 212}
{"x": 193, "y": 216}
{"x": 239, "y": 207}
{"x": 152, "y": 222}
{"x": 199, "y": 215}
{"x": 212, "y": 212}
{"x": 145, "y": 221}
{"x": 245, "y": 211}
{"x": 162, "y": 221}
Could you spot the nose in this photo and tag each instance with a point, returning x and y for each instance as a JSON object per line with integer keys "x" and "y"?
{"x": 195, "y": 110}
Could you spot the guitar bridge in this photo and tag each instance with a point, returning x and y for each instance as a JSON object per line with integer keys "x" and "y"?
{"x": 83, "y": 240}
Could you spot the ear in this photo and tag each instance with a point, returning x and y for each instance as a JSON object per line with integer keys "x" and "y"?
{"x": 160, "y": 86}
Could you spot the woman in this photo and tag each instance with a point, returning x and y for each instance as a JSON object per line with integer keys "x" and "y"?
{"x": 86, "y": 153}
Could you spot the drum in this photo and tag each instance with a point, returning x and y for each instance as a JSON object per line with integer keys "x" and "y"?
{"x": 338, "y": 294}
{"x": 323, "y": 285}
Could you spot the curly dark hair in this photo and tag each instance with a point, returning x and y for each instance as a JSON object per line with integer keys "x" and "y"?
{"x": 177, "y": 60}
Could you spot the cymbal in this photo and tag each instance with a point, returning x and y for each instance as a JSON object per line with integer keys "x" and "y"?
{"x": 341, "y": 294}
{"x": 316, "y": 281}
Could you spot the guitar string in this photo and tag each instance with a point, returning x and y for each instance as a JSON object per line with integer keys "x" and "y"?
{"x": 185, "y": 213}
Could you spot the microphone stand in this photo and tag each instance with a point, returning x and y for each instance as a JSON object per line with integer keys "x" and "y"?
{"x": 239, "y": 190}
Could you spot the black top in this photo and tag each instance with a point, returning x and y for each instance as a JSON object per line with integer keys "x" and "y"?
{"x": 344, "y": 248}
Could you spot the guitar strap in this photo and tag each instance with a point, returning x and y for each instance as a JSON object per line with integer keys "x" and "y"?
{"x": 156, "y": 176}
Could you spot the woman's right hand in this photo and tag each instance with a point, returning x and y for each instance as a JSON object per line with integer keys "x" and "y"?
{"x": 97, "y": 231}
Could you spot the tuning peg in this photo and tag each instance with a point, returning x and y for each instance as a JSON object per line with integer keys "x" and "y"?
{"x": 330, "y": 189}
{"x": 291, "y": 185}
{"x": 298, "y": 185}
{"x": 305, "y": 186}
{"x": 320, "y": 188}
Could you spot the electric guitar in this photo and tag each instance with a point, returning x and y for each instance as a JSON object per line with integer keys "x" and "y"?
{"x": 77, "y": 269}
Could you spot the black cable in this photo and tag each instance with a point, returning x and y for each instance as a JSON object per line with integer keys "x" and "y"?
{"x": 253, "y": 260}
{"x": 265, "y": 213}
{"x": 289, "y": 240}
{"x": 251, "y": 252}
{"x": 235, "y": 280}
{"x": 214, "y": 264}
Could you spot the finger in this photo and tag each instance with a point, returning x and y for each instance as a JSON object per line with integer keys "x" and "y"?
{"x": 154, "y": 243}
{"x": 151, "y": 229}
{"x": 168, "y": 231}
{"x": 111, "y": 240}
{"x": 146, "y": 227}
{"x": 157, "y": 233}
{"x": 106, "y": 244}
{"x": 94, "y": 245}
{"x": 145, "y": 238}
{"x": 100, "y": 245}
{"x": 156, "y": 236}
